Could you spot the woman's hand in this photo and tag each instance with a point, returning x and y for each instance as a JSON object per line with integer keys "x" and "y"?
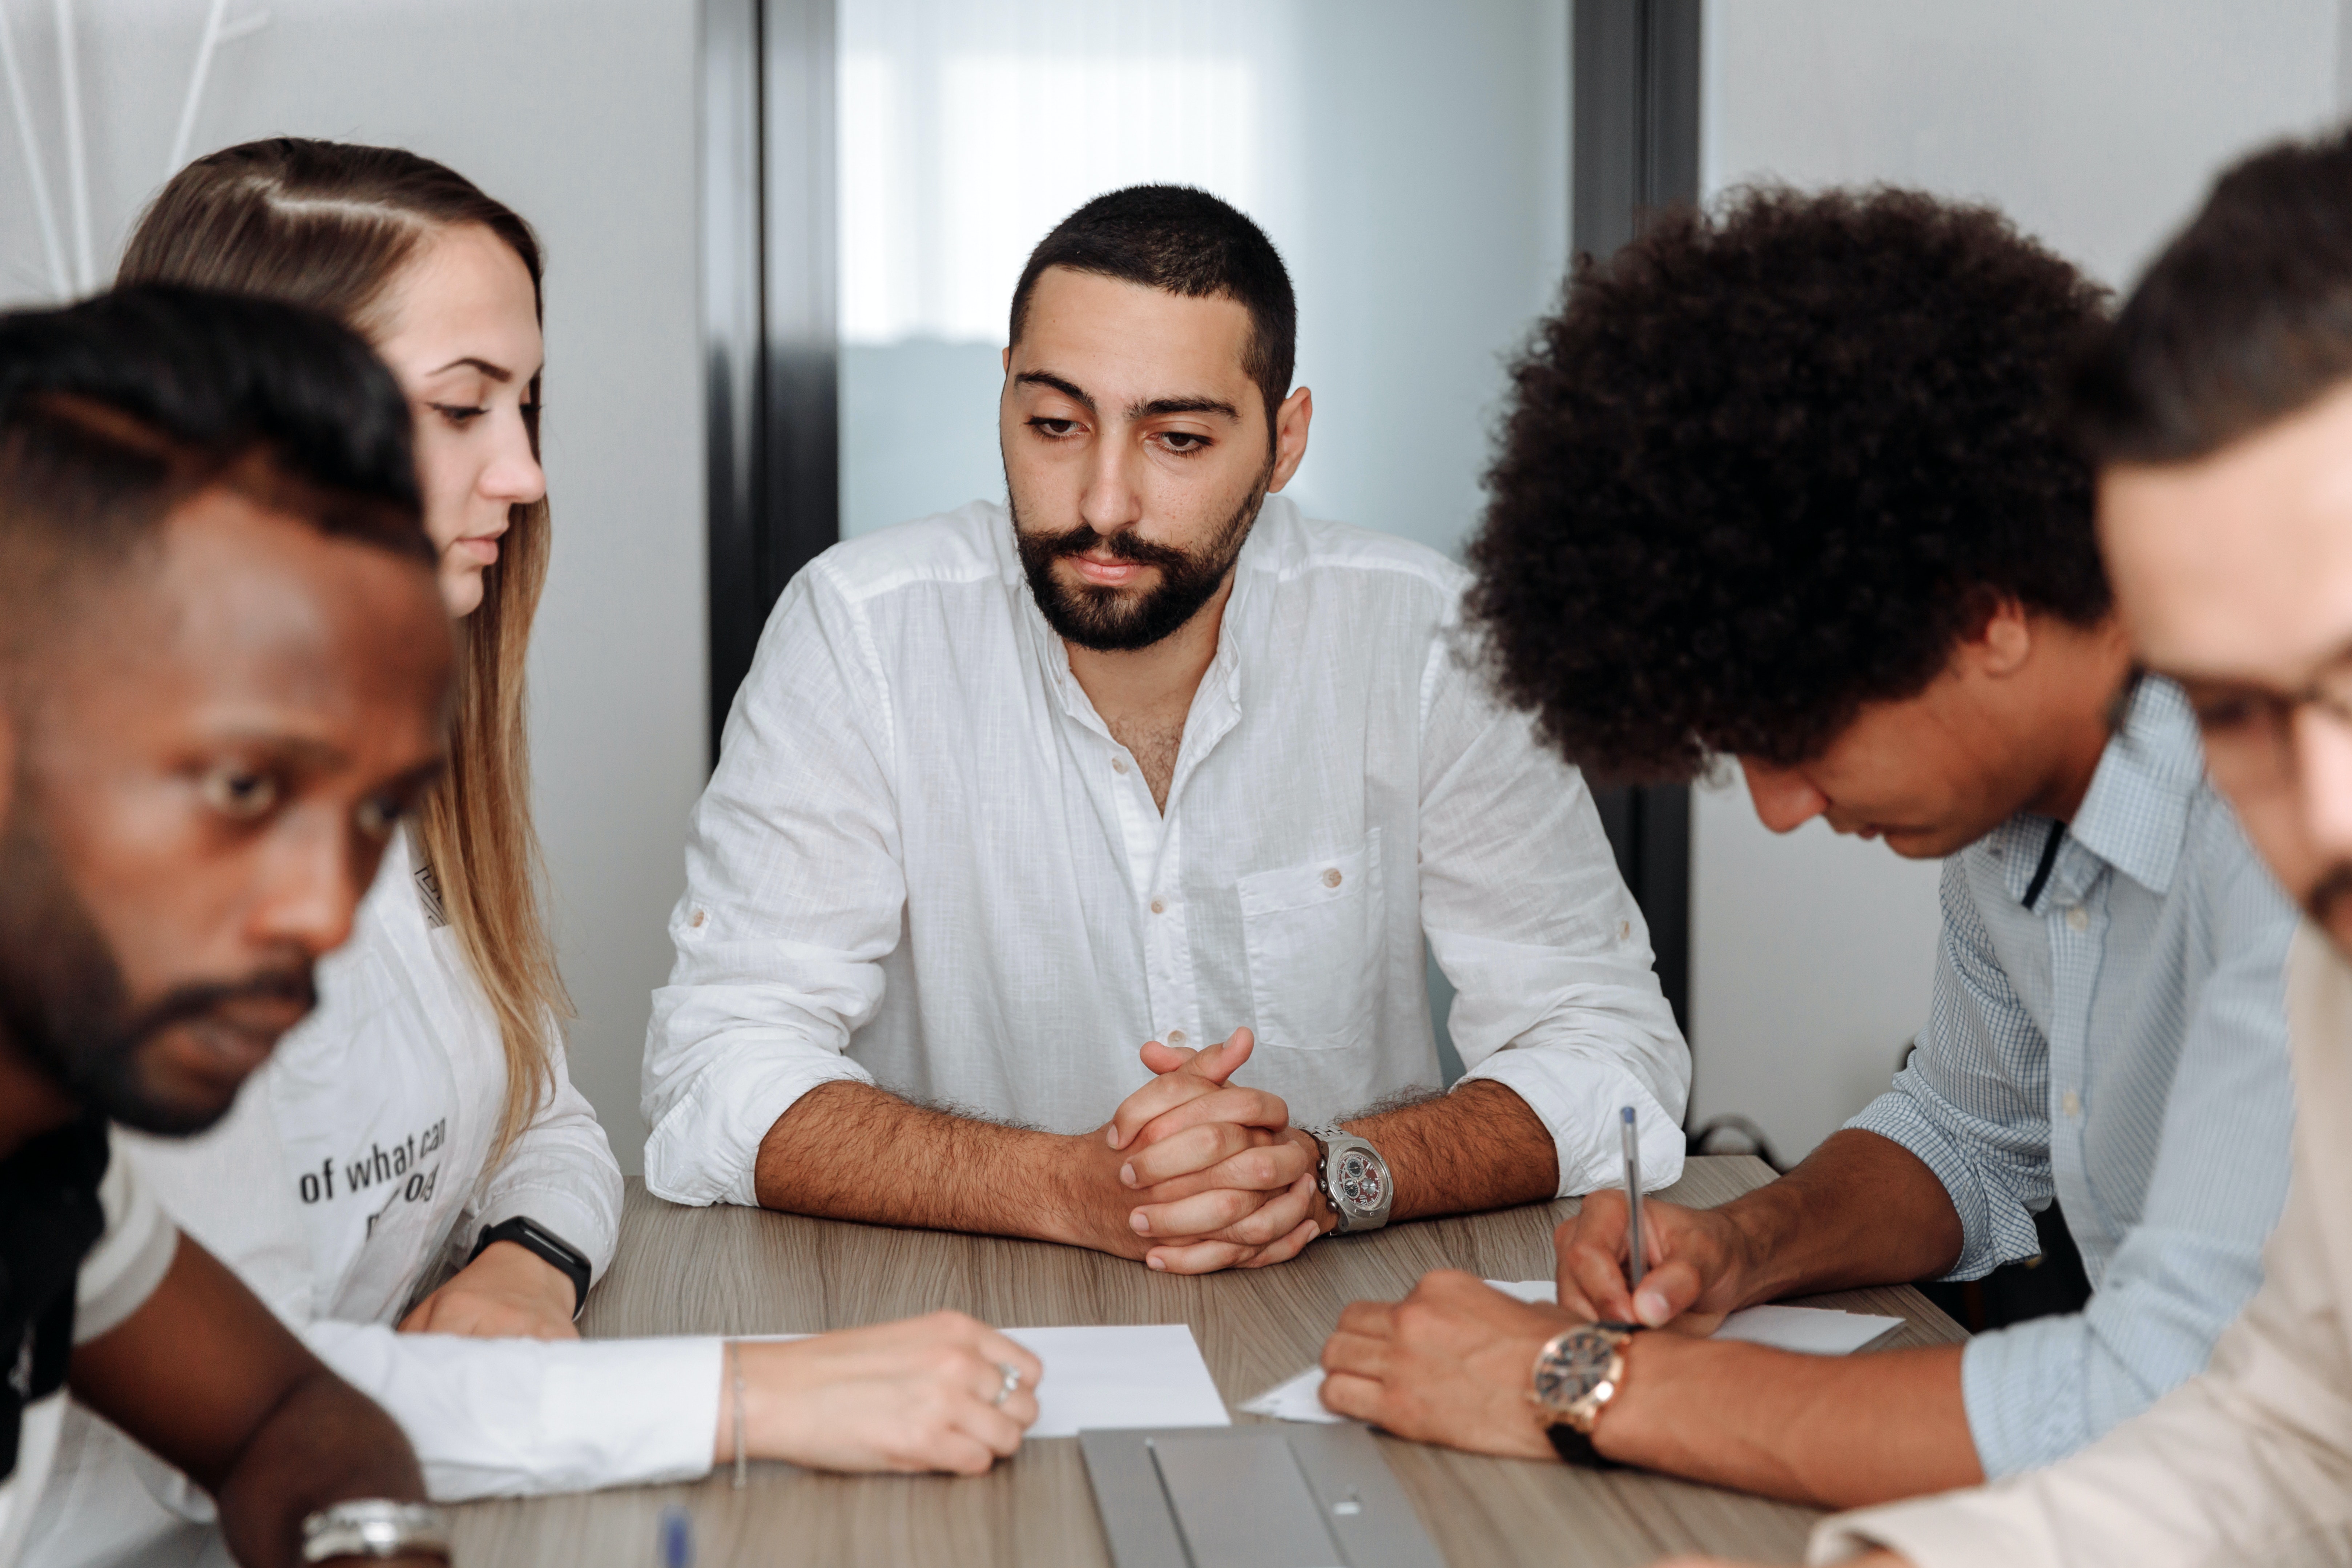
{"x": 509, "y": 1292}
{"x": 919, "y": 1395}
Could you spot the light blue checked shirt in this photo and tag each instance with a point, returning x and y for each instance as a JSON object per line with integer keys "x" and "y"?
{"x": 2122, "y": 1046}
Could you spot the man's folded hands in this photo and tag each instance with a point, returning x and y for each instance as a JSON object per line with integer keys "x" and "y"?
{"x": 1210, "y": 1174}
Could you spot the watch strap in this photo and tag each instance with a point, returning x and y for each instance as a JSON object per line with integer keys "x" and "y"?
{"x": 534, "y": 1237}
{"x": 1577, "y": 1448}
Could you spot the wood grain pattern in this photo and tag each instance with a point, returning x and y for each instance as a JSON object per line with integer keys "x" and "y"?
{"x": 744, "y": 1271}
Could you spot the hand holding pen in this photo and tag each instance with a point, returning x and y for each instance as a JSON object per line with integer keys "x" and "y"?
{"x": 1630, "y": 1260}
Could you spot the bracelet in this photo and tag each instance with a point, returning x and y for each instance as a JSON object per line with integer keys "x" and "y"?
{"x": 375, "y": 1528}
{"x": 736, "y": 1386}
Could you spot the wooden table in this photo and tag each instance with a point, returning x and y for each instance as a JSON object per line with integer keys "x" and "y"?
{"x": 744, "y": 1271}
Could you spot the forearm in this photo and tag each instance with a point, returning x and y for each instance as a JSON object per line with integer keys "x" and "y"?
{"x": 849, "y": 1151}
{"x": 324, "y": 1443}
{"x": 1833, "y": 1432}
{"x": 1861, "y": 1210}
{"x": 1477, "y": 1148}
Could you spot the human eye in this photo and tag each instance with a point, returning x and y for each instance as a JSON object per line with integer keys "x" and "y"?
{"x": 238, "y": 793}
{"x": 1183, "y": 443}
{"x": 459, "y": 415}
{"x": 378, "y": 815}
{"x": 1052, "y": 428}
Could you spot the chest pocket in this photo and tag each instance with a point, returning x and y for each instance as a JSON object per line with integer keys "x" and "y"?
{"x": 1312, "y": 935}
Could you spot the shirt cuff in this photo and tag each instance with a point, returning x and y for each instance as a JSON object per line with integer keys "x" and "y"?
{"x": 1577, "y": 1098}
{"x": 1991, "y": 1233}
{"x": 707, "y": 1150}
{"x": 1959, "y": 1530}
{"x": 667, "y": 1391}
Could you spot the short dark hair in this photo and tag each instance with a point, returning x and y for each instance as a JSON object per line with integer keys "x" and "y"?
{"x": 2244, "y": 319}
{"x": 1765, "y": 466}
{"x": 1186, "y": 242}
{"x": 116, "y": 410}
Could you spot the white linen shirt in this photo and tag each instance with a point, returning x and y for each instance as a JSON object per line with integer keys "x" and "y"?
{"x": 401, "y": 1022}
{"x": 924, "y": 862}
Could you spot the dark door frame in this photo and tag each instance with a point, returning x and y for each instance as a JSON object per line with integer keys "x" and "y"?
{"x": 1635, "y": 150}
{"x": 771, "y": 336}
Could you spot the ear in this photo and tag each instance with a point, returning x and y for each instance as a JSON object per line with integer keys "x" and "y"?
{"x": 1005, "y": 359}
{"x": 1290, "y": 423}
{"x": 2003, "y": 644}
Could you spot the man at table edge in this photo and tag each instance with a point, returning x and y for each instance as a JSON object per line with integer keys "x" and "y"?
{"x": 1144, "y": 753}
{"x": 1886, "y": 601}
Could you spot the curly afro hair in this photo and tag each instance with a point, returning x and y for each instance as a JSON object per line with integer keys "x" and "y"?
{"x": 1765, "y": 466}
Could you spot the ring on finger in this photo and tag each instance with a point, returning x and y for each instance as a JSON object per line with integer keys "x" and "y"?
{"x": 1012, "y": 1382}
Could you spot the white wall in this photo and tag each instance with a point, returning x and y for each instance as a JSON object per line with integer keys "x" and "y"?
{"x": 583, "y": 115}
{"x": 2097, "y": 124}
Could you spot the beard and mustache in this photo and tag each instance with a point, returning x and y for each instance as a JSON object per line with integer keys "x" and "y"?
{"x": 1114, "y": 620}
{"x": 65, "y": 1009}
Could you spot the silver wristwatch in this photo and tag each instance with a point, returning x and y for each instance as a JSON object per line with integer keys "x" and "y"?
{"x": 1354, "y": 1179}
{"x": 375, "y": 1528}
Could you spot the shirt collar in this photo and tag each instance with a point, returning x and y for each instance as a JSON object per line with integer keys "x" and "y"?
{"x": 2137, "y": 810}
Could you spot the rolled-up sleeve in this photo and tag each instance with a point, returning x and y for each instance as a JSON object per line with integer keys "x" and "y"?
{"x": 794, "y": 895}
{"x": 1556, "y": 993}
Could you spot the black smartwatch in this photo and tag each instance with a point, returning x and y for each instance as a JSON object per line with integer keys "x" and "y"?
{"x": 532, "y": 1237}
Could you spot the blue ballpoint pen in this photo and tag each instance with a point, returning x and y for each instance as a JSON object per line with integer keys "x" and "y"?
{"x": 677, "y": 1538}
{"x": 1633, "y": 1197}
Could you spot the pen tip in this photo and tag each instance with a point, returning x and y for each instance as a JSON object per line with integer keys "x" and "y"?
{"x": 1626, "y": 1115}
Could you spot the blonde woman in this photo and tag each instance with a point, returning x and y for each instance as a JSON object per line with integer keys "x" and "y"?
{"x": 422, "y": 1117}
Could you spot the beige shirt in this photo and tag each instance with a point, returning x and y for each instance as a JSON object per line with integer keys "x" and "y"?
{"x": 2249, "y": 1462}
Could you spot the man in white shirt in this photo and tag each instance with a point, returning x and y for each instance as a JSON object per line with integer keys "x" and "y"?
{"x": 188, "y": 814}
{"x": 1144, "y": 755}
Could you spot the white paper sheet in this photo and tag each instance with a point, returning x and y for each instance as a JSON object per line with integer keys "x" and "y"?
{"x": 1147, "y": 1375}
{"x": 1816, "y": 1331}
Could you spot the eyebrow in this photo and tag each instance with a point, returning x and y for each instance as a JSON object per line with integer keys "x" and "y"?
{"x": 496, "y": 373}
{"x": 1154, "y": 408}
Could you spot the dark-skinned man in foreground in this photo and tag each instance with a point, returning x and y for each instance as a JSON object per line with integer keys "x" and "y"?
{"x": 1144, "y": 755}
{"x": 223, "y": 670}
{"x": 1835, "y": 531}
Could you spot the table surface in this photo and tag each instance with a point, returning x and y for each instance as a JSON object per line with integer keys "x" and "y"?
{"x": 730, "y": 1270}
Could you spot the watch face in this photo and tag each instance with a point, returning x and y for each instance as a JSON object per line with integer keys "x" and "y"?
{"x": 1359, "y": 1180}
{"x": 1573, "y": 1368}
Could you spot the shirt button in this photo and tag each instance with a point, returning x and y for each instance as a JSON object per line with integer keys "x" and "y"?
{"x": 1175, "y": 1036}
{"x": 699, "y": 916}
{"x": 1331, "y": 877}
{"x": 1159, "y": 906}
{"x": 2072, "y": 1104}
{"x": 1119, "y": 764}
{"x": 2078, "y": 918}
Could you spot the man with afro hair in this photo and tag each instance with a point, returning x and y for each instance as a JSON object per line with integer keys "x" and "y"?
{"x": 1788, "y": 486}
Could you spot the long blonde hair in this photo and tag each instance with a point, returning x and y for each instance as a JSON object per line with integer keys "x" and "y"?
{"x": 329, "y": 225}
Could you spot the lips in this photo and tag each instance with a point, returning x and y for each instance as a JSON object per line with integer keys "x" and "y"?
{"x": 1107, "y": 574}
{"x": 484, "y": 550}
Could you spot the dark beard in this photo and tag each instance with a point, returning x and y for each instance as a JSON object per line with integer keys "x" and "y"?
{"x": 64, "y": 1006}
{"x": 1112, "y": 620}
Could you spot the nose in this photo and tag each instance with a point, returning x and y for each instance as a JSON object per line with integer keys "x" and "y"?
{"x": 514, "y": 476}
{"x": 2322, "y": 771}
{"x": 1111, "y": 502}
{"x": 311, "y": 885}
{"x": 1784, "y": 802}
